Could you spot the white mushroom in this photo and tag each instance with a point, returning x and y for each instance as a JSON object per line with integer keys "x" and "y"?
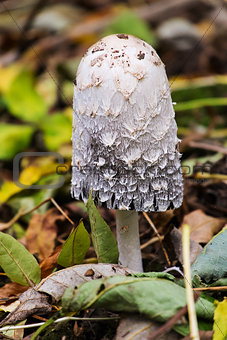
{"x": 127, "y": 153}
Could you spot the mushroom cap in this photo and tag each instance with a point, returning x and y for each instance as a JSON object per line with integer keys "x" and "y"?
{"x": 124, "y": 131}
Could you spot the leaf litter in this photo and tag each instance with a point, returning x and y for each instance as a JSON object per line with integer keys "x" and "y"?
{"x": 200, "y": 114}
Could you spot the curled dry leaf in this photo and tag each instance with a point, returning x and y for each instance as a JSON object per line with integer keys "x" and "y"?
{"x": 55, "y": 284}
{"x": 203, "y": 227}
{"x": 176, "y": 238}
{"x": 31, "y": 302}
{"x": 50, "y": 290}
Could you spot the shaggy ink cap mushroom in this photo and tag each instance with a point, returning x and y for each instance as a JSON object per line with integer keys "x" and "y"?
{"x": 124, "y": 131}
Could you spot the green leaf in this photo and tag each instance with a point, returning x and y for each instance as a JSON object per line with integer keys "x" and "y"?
{"x": 184, "y": 329}
{"x": 211, "y": 264}
{"x": 13, "y": 139}
{"x": 205, "y": 307}
{"x": 75, "y": 247}
{"x": 57, "y": 130}
{"x": 198, "y": 103}
{"x": 128, "y": 22}
{"x": 155, "y": 298}
{"x": 220, "y": 282}
{"x": 16, "y": 261}
{"x": 158, "y": 275}
{"x": 103, "y": 239}
{"x": 220, "y": 324}
{"x": 23, "y": 100}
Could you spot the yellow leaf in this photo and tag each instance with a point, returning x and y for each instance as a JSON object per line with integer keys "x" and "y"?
{"x": 220, "y": 321}
{"x": 7, "y": 75}
{"x": 11, "y": 307}
{"x": 28, "y": 176}
{"x": 16, "y": 334}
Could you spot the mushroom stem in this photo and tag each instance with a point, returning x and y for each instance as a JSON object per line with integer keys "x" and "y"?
{"x": 128, "y": 240}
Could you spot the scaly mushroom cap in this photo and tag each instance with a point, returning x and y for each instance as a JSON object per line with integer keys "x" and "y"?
{"x": 124, "y": 131}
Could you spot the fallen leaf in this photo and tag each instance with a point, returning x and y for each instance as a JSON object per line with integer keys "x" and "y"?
{"x": 203, "y": 227}
{"x": 50, "y": 263}
{"x": 16, "y": 261}
{"x": 211, "y": 264}
{"x": 176, "y": 238}
{"x": 11, "y": 307}
{"x": 56, "y": 283}
{"x": 31, "y": 302}
{"x": 28, "y": 176}
{"x": 17, "y": 334}
{"x": 158, "y": 298}
{"x": 38, "y": 300}
{"x": 42, "y": 232}
{"x": 11, "y": 289}
{"x": 220, "y": 324}
{"x": 32, "y": 233}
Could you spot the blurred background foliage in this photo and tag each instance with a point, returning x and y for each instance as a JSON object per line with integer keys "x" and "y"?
{"x": 41, "y": 44}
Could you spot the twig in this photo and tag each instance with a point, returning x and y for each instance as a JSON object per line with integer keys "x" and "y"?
{"x": 194, "y": 332}
{"x": 211, "y": 288}
{"x": 61, "y": 211}
{"x": 22, "y": 213}
{"x": 151, "y": 241}
{"x": 169, "y": 324}
{"x": 159, "y": 237}
{"x": 23, "y": 43}
{"x": 18, "y": 215}
{"x": 66, "y": 318}
{"x": 207, "y": 146}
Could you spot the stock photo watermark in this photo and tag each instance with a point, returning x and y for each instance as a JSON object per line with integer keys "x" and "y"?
{"x": 17, "y": 170}
{"x": 63, "y": 169}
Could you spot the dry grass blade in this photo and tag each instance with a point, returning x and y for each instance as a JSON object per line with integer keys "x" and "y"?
{"x": 159, "y": 237}
{"x": 194, "y": 332}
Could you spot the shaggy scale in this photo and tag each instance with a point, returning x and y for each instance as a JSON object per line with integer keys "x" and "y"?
{"x": 124, "y": 131}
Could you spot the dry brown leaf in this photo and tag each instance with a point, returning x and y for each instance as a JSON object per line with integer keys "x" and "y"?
{"x": 42, "y": 232}
{"x": 176, "y": 238}
{"x": 32, "y": 233}
{"x": 11, "y": 289}
{"x": 48, "y": 264}
{"x": 203, "y": 227}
